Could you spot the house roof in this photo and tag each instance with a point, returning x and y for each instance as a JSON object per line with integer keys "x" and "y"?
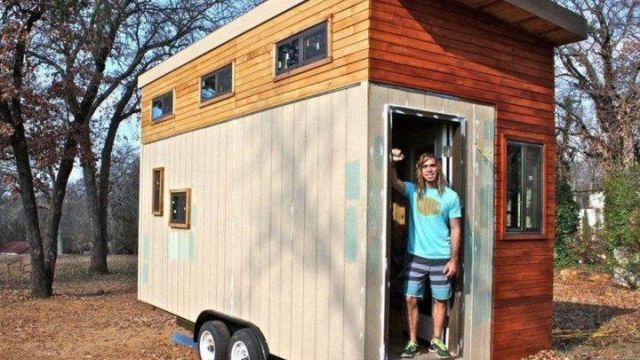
{"x": 542, "y": 18}
{"x": 15, "y": 247}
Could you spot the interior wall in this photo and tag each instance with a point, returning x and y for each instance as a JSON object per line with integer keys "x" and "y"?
{"x": 479, "y": 132}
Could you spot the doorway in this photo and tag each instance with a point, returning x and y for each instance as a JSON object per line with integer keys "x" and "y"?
{"x": 416, "y": 132}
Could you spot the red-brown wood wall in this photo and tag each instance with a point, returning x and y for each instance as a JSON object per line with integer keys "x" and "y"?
{"x": 446, "y": 47}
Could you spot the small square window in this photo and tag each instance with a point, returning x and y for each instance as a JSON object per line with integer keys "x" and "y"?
{"x": 288, "y": 55}
{"x": 162, "y": 106}
{"x": 302, "y": 49}
{"x": 158, "y": 186}
{"x": 180, "y": 208}
{"x": 524, "y": 187}
{"x": 217, "y": 83}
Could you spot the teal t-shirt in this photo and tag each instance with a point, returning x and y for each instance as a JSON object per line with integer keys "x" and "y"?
{"x": 429, "y": 234}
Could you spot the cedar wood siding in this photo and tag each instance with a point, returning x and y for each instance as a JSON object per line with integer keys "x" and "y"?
{"x": 252, "y": 55}
{"x": 448, "y": 48}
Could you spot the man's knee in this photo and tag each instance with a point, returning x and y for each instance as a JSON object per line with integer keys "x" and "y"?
{"x": 411, "y": 301}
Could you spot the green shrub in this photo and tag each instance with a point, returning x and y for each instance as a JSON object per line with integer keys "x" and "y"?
{"x": 567, "y": 220}
{"x": 622, "y": 213}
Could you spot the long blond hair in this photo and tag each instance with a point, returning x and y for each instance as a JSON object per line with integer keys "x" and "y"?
{"x": 440, "y": 181}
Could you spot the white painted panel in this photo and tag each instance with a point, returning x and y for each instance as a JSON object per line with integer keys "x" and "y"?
{"x": 267, "y": 242}
{"x": 276, "y": 233}
{"x": 337, "y": 276}
{"x": 286, "y": 257}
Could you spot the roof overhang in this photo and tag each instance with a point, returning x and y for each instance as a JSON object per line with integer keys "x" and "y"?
{"x": 542, "y": 18}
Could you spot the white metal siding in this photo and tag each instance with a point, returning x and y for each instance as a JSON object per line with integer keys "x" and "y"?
{"x": 278, "y": 225}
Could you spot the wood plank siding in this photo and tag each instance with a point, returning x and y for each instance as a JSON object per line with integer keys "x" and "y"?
{"x": 252, "y": 54}
{"x": 277, "y": 232}
{"x": 449, "y": 48}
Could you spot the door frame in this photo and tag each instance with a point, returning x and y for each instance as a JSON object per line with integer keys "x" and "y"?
{"x": 454, "y": 328}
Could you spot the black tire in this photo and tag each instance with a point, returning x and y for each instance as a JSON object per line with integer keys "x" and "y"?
{"x": 252, "y": 341}
{"x": 213, "y": 337}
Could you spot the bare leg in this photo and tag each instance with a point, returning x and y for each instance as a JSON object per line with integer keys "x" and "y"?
{"x": 412, "y": 317}
{"x": 439, "y": 317}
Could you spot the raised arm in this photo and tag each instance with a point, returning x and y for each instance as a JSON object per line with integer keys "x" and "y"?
{"x": 397, "y": 184}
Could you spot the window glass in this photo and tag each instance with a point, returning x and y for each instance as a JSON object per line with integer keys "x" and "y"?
{"x": 288, "y": 55}
{"x": 301, "y": 49}
{"x": 315, "y": 44}
{"x": 180, "y": 204}
{"x": 158, "y": 179}
{"x": 524, "y": 187}
{"x": 162, "y": 106}
{"x": 216, "y": 83}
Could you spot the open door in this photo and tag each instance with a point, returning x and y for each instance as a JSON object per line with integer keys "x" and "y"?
{"x": 417, "y": 132}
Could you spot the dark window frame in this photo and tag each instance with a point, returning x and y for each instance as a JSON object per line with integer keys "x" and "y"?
{"x": 187, "y": 216}
{"x": 304, "y": 63}
{"x": 221, "y": 95}
{"x": 167, "y": 115}
{"x": 514, "y": 136}
{"x": 157, "y": 207}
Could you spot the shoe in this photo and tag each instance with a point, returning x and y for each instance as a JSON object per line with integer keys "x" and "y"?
{"x": 438, "y": 347}
{"x": 410, "y": 351}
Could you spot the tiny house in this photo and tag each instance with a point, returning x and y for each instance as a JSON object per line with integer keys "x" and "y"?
{"x": 267, "y": 223}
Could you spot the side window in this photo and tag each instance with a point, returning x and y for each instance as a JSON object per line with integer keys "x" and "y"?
{"x": 302, "y": 49}
{"x": 162, "y": 106}
{"x": 524, "y": 187}
{"x": 180, "y": 208}
{"x": 158, "y": 188}
{"x": 216, "y": 83}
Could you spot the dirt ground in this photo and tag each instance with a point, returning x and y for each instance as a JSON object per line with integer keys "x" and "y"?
{"x": 98, "y": 317}
{"x": 593, "y": 320}
{"x": 89, "y": 317}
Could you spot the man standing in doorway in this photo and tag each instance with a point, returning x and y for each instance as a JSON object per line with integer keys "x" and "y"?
{"x": 433, "y": 246}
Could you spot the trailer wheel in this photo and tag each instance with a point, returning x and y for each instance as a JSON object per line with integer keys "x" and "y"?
{"x": 245, "y": 344}
{"x": 213, "y": 341}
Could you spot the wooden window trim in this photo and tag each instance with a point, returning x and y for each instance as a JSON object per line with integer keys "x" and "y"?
{"x": 187, "y": 215}
{"x": 323, "y": 61}
{"x": 159, "y": 211}
{"x": 533, "y": 139}
{"x": 167, "y": 116}
{"x": 224, "y": 96}
{"x": 216, "y": 99}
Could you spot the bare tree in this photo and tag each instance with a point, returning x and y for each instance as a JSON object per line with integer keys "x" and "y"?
{"x": 23, "y": 109}
{"x": 108, "y": 44}
{"x": 599, "y": 86}
{"x": 59, "y": 62}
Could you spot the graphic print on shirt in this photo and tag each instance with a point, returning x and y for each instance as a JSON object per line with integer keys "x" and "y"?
{"x": 428, "y": 206}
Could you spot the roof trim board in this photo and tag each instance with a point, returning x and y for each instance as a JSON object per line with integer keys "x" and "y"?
{"x": 555, "y": 14}
{"x": 562, "y": 27}
{"x": 544, "y": 19}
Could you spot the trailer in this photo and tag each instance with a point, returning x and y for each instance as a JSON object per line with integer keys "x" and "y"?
{"x": 267, "y": 223}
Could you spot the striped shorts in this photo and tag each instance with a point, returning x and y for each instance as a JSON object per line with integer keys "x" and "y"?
{"x": 418, "y": 270}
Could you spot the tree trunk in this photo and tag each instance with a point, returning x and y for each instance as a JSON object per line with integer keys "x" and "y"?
{"x": 41, "y": 282}
{"x": 104, "y": 179}
{"x": 100, "y": 249}
{"x": 56, "y": 203}
{"x": 98, "y": 191}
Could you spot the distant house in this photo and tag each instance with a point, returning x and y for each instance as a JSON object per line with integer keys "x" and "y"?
{"x": 591, "y": 213}
{"x": 15, "y": 248}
